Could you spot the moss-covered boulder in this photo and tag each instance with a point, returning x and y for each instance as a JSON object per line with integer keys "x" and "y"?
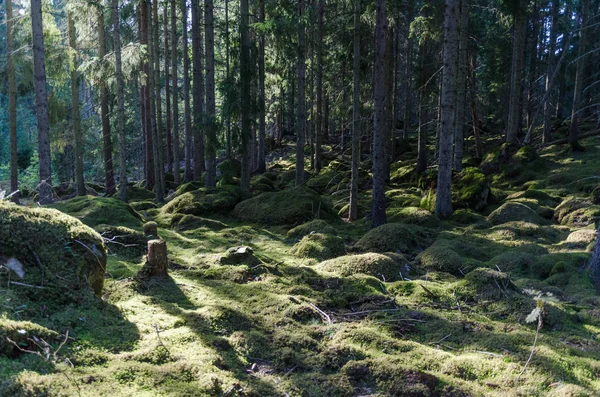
{"x": 486, "y": 284}
{"x": 205, "y": 201}
{"x": 512, "y": 261}
{"x": 314, "y": 226}
{"x": 22, "y": 333}
{"x": 57, "y": 257}
{"x": 139, "y": 193}
{"x": 143, "y": 205}
{"x": 468, "y": 218}
{"x": 261, "y": 183}
{"x": 326, "y": 181}
{"x": 188, "y": 187}
{"x": 95, "y": 211}
{"x": 400, "y": 238}
{"x": 386, "y": 266}
{"x": 576, "y": 211}
{"x": 447, "y": 256}
{"x": 228, "y": 170}
{"x": 123, "y": 240}
{"x": 515, "y": 212}
{"x": 581, "y": 238}
{"x": 191, "y": 222}
{"x": 239, "y": 256}
{"x": 414, "y": 215}
{"x": 287, "y": 207}
{"x": 287, "y": 178}
{"x": 471, "y": 189}
{"x": 319, "y": 246}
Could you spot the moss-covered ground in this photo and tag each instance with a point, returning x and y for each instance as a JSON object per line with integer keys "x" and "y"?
{"x": 421, "y": 307}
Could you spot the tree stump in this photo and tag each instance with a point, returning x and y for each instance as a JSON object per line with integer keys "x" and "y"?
{"x": 156, "y": 260}
{"x": 151, "y": 230}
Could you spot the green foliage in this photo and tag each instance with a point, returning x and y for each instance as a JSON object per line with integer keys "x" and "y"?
{"x": 471, "y": 189}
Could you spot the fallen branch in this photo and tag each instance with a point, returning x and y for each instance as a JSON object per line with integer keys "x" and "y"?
{"x": 434, "y": 296}
{"x": 322, "y": 313}
{"x": 441, "y": 340}
{"x": 25, "y": 285}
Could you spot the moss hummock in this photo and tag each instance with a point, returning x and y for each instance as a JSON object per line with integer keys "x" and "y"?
{"x": 95, "y": 211}
{"x": 204, "y": 201}
{"x": 314, "y": 226}
{"x": 319, "y": 246}
{"x": 400, "y": 238}
{"x": 576, "y": 211}
{"x": 287, "y": 207}
{"x": 509, "y": 212}
{"x": 20, "y": 332}
{"x": 471, "y": 189}
{"x": 414, "y": 215}
{"x": 388, "y": 266}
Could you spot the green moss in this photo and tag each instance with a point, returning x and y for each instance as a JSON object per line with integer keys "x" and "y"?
{"x": 287, "y": 207}
{"x": 514, "y": 212}
{"x": 188, "y": 187}
{"x": 414, "y": 215}
{"x": 396, "y": 237}
{"x": 314, "y": 226}
{"x": 483, "y": 283}
{"x": 450, "y": 256}
{"x": 512, "y": 261}
{"x": 576, "y": 211}
{"x": 143, "y": 205}
{"x": 56, "y": 252}
{"x": 139, "y": 193}
{"x": 468, "y": 217}
{"x": 471, "y": 189}
{"x": 95, "y": 211}
{"x": 580, "y": 239}
{"x": 229, "y": 170}
{"x": 205, "y": 201}
{"x": 190, "y": 222}
{"x": 123, "y": 240}
{"x": 386, "y": 266}
{"x": 319, "y": 246}
{"x": 327, "y": 180}
{"x": 287, "y": 178}
{"x": 402, "y": 198}
{"x": 21, "y": 332}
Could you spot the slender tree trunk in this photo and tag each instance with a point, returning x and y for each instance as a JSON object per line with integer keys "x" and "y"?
{"x": 158, "y": 103}
{"x": 41, "y": 100}
{"x": 261, "y": 165}
{"x": 547, "y": 137}
{"x": 116, "y": 16}
{"x": 390, "y": 140}
{"x": 198, "y": 92}
{"x": 301, "y": 101}
{"x": 187, "y": 118}
{"x": 353, "y": 209}
{"x": 474, "y": 117}
{"x": 227, "y": 54}
{"x": 167, "y": 90}
{"x": 79, "y": 182}
{"x": 408, "y": 73}
{"x": 211, "y": 136}
{"x": 443, "y": 202}
{"x": 245, "y": 76}
{"x": 378, "y": 211}
{"x": 12, "y": 107}
{"x": 175, "y": 104}
{"x": 422, "y": 139}
{"x": 158, "y": 187}
{"x": 461, "y": 85}
{"x": 579, "y": 76}
{"x": 514, "y": 105}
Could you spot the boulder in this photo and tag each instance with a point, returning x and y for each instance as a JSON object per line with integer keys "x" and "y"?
{"x": 205, "y": 201}
{"x": 515, "y": 212}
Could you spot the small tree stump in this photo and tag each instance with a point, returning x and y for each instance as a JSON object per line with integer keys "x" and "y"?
{"x": 156, "y": 260}
{"x": 151, "y": 230}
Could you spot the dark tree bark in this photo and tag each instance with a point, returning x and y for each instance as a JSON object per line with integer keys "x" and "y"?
{"x": 12, "y": 106}
{"x": 41, "y": 100}
{"x": 157, "y": 262}
{"x": 261, "y": 165}
{"x": 198, "y": 92}
{"x": 301, "y": 101}
{"x": 443, "y": 202}
{"x": 245, "y": 76}
{"x": 461, "y": 85}
{"x": 145, "y": 99}
{"x": 187, "y": 118}
{"x": 108, "y": 146}
{"x": 228, "y": 74}
{"x": 79, "y": 182}
{"x": 158, "y": 139}
{"x": 547, "y": 137}
{"x": 175, "y": 104}
{"x": 167, "y": 90}
{"x": 378, "y": 211}
{"x": 211, "y": 114}
{"x": 514, "y": 104}
{"x": 353, "y": 209}
{"x": 120, "y": 101}
{"x": 408, "y": 73}
{"x": 579, "y": 76}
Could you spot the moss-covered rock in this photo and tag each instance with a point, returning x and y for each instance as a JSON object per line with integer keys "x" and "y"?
{"x": 95, "y": 211}
{"x": 61, "y": 258}
{"x": 471, "y": 189}
{"x": 414, "y": 215}
{"x": 188, "y": 187}
{"x": 205, "y": 201}
{"x": 261, "y": 183}
{"x": 386, "y": 266}
{"x": 287, "y": 178}
{"x": 287, "y": 207}
{"x": 190, "y": 222}
{"x": 576, "y": 211}
{"x": 542, "y": 268}
{"x": 581, "y": 238}
{"x": 468, "y": 217}
{"x": 487, "y": 284}
{"x": 400, "y": 238}
{"x": 325, "y": 181}
{"x": 514, "y": 212}
{"x": 229, "y": 170}
{"x": 123, "y": 240}
{"x": 22, "y": 333}
{"x": 143, "y": 205}
{"x": 512, "y": 261}
{"x": 139, "y": 193}
{"x": 314, "y": 226}
{"x": 446, "y": 256}
{"x": 319, "y": 246}
{"x": 239, "y": 256}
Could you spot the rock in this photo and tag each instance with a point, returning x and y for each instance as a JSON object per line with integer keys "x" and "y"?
{"x": 205, "y": 201}
{"x": 576, "y": 211}
{"x": 581, "y": 238}
{"x": 514, "y": 212}
{"x": 95, "y": 211}
{"x": 239, "y": 256}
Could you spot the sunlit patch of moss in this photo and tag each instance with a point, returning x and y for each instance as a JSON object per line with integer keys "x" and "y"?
{"x": 314, "y": 226}
{"x": 205, "y": 201}
{"x": 95, "y": 211}
{"x": 514, "y": 212}
{"x": 388, "y": 267}
{"x": 414, "y": 215}
{"x": 400, "y": 238}
{"x": 319, "y": 246}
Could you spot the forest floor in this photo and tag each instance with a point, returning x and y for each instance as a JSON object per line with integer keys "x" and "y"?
{"x": 421, "y": 307}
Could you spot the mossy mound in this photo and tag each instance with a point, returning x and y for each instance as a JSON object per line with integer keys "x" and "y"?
{"x": 486, "y": 284}
{"x": 287, "y": 207}
{"x": 326, "y": 181}
{"x": 287, "y": 179}
{"x": 576, "y": 211}
{"x": 319, "y": 246}
{"x": 447, "y": 256}
{"x": 314, "y": 226}
{"x": 543, "y": 210}
{"x": 229, "y": 170}
{"x": 531, "y": 232}
{"x": 581, "y": 238}
{"x": 139, "y": 193}
{"x": 190, "y": 222}
{"x": 536, "y": 195}
{"x": 205, "y": 201}
{"x": 386, "y": 266}
{"x": 261, "y": 183}
{"x": 400, "y": 238}
{"x": 545, "y": 265}
{"x": 122, "y": 239}
{"x": 514, "y": 212}
{"x": 471, "y": 189}
{"x": 414, "y": 215}
{"x": 402, "y": 198}
{"x": 468, "y": 217}
{"x": 95, "y": 211}
{"x": 56, "y": 254}
{"x": 512, "y": 261}
{"x": 143, "y": 205}
{"x": 21, "y": 332}
{"x": 239, "y": 256}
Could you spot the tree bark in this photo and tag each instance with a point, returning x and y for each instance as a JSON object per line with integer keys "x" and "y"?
{"x": 514, "y": 105}
{"x": 261, "y": 165}
{"x": 41, "y": 100}
{"x": 408, "y": 73}
{"x": 245, "y": 76}
{"x": 211, "y": 135}
{"x": 12, "y": 106}
{"x": 379, "y": 135}
{"x": 301, "y": 101}
{"x": 175, "y": 104}
{"x": 167, "y": 90}
{"x": 116, "y": 16}
{"x": 227, "y": 71}
{"x": 353, "y": 208}
{"x": 159, "y": 186}
{"x": 461, "y": 84}
{"x": 547, "y": 137}
{"x": 579, "y": 76}
{"x": 157, "y": 262}
{"x": 157, "y": 101}
{"x": 443, "y": 202}
{"x": 198, "y": 92}
{"x": 145, "y": 99}
{"x": 187, "y": 118}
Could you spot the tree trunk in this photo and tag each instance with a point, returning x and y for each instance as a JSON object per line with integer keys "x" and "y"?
{"x": 198, "y": 92}
{"x": 167, "y": 90}
{"x": 41, "y": 100}
{"x": 227, "y": 54}
{"x": 158, "y": 108}
{"x": 547, "y": 137}
{"x": 211, "y": 136}
{"x": 158, "y": 187}
{"x": 301, "y": 101}
{"x": 12, "y": 108}
{"x": 120, "y": 101}
{"x": 187, "y": 118}
{"x": 245, "y": 76}
{"x": 579, "y": 76}
{"x": 378, "y": 211}
{"x": 514, "y": 104}
{"x": 145, "y": 98}
{"x": 408, "y": 73}
{"x": 108, "y": 147}
{"x": 461, "y": 84}
{"x": 353, "y": 209}
{"x": 79, "y": 182}
{"x": 443, "y": 202}
{"x": 474, "y": 117}
{"x": 175, "y": 104}
{"x": 261, "y": 165}
{"x": 422, "y": 139}
{"x": 157, "y": 262}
